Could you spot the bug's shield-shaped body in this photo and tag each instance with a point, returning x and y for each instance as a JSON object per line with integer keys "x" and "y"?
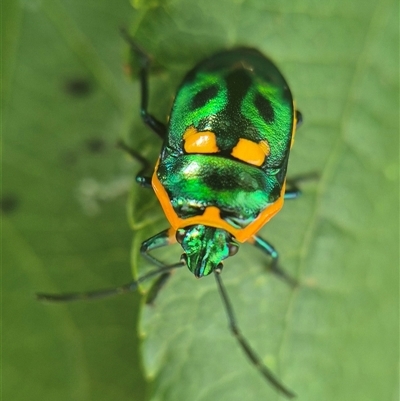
{"x": 222, "y": 170}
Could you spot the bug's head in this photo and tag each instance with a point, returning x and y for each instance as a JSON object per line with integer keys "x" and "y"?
{"x": 205, "y": 248}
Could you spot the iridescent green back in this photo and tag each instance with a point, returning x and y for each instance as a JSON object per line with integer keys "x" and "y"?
{"x": 235, "y": 94}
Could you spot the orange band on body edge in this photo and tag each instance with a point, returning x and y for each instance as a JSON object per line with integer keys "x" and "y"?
{"x": 171, "y": 236}
{"x": 294, "y": 125}
{"x": 211, "y": 216}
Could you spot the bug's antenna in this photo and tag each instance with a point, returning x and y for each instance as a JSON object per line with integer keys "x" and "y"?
{"x": 106, "y": 292}
{"x": 254, "y": 358}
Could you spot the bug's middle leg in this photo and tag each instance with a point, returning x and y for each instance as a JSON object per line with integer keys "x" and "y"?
{"x": 292, "y": 190}
{"x": 142, "y": 177}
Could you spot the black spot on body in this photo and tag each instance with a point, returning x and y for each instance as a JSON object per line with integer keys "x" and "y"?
{"x": 230, "y": 124}
{"x": 264, "y": 108}
{"x": 217, "y": 182}
{"x": 238, "y": 83}
{"x": 202, "y": 97}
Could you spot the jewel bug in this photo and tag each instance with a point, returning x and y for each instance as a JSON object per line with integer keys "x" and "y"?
{"x": 221, "y": 173}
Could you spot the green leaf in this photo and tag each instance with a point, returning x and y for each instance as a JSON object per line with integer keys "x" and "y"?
{"x": 65, "y": 102}
{"x": 335, "y": 337}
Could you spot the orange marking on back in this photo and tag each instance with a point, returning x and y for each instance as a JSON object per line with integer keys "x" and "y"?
{"x": 251, "y": 152}
{"x": 199, "y": 142}
{"x": 211, "y": 216}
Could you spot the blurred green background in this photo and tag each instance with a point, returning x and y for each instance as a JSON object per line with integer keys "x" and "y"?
{"x": 67, "y": 227}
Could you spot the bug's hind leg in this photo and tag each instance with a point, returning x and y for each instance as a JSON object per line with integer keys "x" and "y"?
{"x": 137, "y": 54}
{"x": 267, "y": 248}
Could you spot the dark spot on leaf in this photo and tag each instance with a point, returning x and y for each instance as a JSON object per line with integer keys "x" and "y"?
{"x": 69, "y": 158}
{"x": 264, "y": 108}
{"x": 8, "y": 203}
{"x": 95, "y": 145}
{"x": 78, "y": 87}
{"x": 202, "y": 97}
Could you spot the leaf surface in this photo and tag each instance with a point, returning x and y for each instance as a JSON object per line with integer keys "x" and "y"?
{"x": 335, "y": 337}
{"x": 65, "y": 102}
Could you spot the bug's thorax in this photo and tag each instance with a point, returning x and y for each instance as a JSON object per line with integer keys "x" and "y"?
{"x": 205, "y": 248}
{"x": 212, "y": 216}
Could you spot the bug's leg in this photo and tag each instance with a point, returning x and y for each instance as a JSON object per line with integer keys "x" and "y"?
{"x": 106, "y": 292}
{"x": 157, "y": 126}
{"x": 164, "y": 238}
{"x": 293, "y": 191}
{"x": 142, "y": 177}
{"x": 267, "y": 248}
{"x": 247, "y": 349}
{"x": 299, "y": 118}
{"x": 156, "y": 287}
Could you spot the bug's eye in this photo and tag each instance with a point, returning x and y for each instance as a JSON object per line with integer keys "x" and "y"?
{"x": 180, "y": 235}
{"x": 233, "y": 248}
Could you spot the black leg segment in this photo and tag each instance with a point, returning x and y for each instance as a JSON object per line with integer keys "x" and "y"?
{"x": 141, "y": 178}
{"x": 106, "y": 292}
{"x": 247, "y": 349}
{"x": 157, "y": 286}
{"x": 299, "y": 118}
{"x": 293, "y": 191}
{"x": 144, "y": 60}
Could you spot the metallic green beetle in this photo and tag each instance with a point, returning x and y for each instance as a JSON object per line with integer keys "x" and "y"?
{"x": 221, "y": 174}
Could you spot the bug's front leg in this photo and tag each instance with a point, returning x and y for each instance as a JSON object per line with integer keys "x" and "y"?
{"x": 267, "y": 248}
{"x": 164, "y": 238}
{"x": 163, "y": 271}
